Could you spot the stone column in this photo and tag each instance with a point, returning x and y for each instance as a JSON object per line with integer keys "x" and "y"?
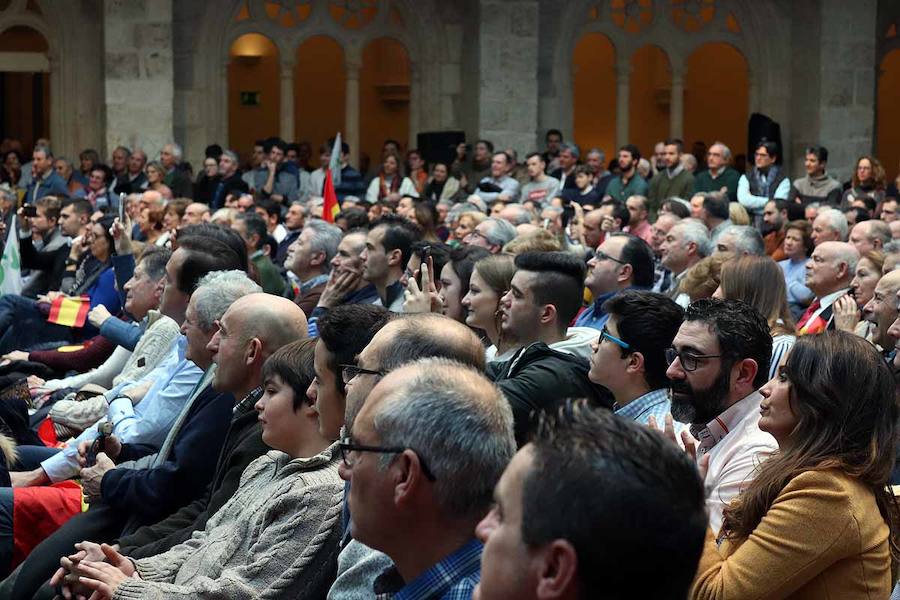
{"x": 139, "y": 80}
{"x": 351, "y": 112}
{"x": 623, "y": 84}
{"x": 287, "y": 100}
{"x": 415, "y": 101}
{"x": 676, "y": 103}
{"x": 508, "y": 37}
{"x": 847, "y": 71}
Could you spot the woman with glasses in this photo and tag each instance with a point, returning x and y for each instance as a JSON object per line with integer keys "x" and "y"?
{"x": 868, "y": 182}
{"x": 758, "y": 281}
{"x": 817, "y": 520}
{"x": 279, "y": 534}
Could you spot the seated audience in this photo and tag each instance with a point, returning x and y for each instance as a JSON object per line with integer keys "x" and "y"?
{"x": 622, "y": 262}
{"x": 829, "y": 273}
{"x": 818, "y": 186}
{"x": 612, "y": 478}
{"x": 388, "y": 248}
{"x": 741, "y": 240}
{"x": 629, "y": 358}
{"x": 825, "y": 489}
{"x": 718, "y": 360}
{"x": 308, "y": 262}
{"x": 870, "y": 235}
{"x": 798, "y": 246}
{"x": 757, "y": 281}
{"x": 684, "y": 246}
{"x": 544, "y": 297}
{"x": 491, "y": 234}
{"x": 278, "y": 532}
{"x": 47, "y": 261}
{"x": 252, "y": 229}
{"x": 445, "y": 434}
{"x": 829, "y": 225}
{"x": 775, "y": 217}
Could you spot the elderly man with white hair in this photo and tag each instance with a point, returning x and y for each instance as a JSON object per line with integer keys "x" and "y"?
{"x": 870, "y": 235}
{"x": 741, "y": 239}
{"x": 683, "y": 247}
{"x": 179, "y": 181}
{"x": 830, "y": 225}
{"x": 828, "y": 275}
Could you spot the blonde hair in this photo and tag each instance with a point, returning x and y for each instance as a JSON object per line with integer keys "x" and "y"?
{"x": 738, "y": 214}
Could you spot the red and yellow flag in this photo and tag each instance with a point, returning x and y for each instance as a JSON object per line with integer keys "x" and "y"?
{"x": 330, "y": 207}
{"x": 70, "y": 312}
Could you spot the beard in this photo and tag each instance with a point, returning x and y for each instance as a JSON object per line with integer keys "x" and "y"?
{"x": 768, "y": 228}
{"x": 698, "y": 407}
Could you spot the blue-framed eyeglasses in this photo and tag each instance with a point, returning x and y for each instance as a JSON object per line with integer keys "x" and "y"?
{"x": 605, "y": 334}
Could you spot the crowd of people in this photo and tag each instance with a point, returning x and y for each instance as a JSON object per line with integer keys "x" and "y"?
{"x": 480, "y": 378}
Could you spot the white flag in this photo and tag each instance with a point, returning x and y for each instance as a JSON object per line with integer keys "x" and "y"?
{"x": 10, "y": 263}
{"x": 335, "y": 163}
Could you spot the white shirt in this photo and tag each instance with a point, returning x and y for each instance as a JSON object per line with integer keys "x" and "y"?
{"x": 736, "y": 446}
{"x": 827, "y": 301}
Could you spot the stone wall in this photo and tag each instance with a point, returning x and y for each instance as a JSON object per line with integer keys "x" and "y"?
{"x": 848, "y": 69}
{"x": 139, "y": 79}
{"x": 508, "y": 67}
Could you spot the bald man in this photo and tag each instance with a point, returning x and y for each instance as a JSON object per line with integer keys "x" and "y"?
{"x": 251, "y": 329}
{"x": 249, "y": 332}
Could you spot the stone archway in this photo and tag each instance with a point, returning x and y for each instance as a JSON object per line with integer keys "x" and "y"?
{"x": 754, "y": 28}
{"x": 212, "y": 32}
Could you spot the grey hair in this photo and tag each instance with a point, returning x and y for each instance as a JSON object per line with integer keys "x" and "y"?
{"x": 695, "y": 231}
{"x": 847, "y": 253}
{"x": 892, "y": 247}
{"x": 571, "y": 148}
{"x": 231, "y": 154}
{"x": 522, "y": 216}
{"x": 461, "y": 427}
{"x": 500, "y": 232}
{"x": 217, "y": 291}
{"x": 598, "y": 152}
{"x": 837, "y": 221}
{"x": 879, "y": 230}
{"x": 45, "y": 149}
{"x": 463, "y": 207}
{"x": 726, "y": 151}
{"x": 747, "y": 240}
{"x": 177, "y": 152}
{"x": 325, "y": 238}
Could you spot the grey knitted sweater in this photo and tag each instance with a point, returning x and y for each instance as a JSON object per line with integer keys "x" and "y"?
{"x": 276, "y": 538}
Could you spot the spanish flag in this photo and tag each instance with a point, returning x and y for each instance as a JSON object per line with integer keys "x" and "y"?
{"x": 70, "y": 312}
{"x": 330, "y": 207}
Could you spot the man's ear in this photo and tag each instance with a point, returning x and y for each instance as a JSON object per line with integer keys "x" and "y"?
{"x": 635, "y": 363}
{"x": 557, "y": 574}
{"x": 254, "y": 351}
{"x": 548, "y": 314}
{"x": 394, "y": 257}
{"x": 408, "y": 476}
{"x": 745, "y": 371}
{"x": 317, "y": 259}
{"x": 626, "y": 272}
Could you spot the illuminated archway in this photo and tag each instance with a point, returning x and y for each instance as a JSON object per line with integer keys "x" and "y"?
{"x": 319, "y": 90}
{"x": 384, "y": 87}
{"x": 716, "y": 97}
{"x": 594, "y": 93}
{"x": 24, "y": 85}
{"x": 254, "y": 97}
{"x": 888, "y": 120}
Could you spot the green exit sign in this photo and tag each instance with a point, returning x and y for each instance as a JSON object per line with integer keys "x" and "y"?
{"x": 249, "y": 98}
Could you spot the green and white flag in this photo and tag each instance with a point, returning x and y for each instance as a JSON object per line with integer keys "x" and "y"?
{"x": 10, "y": 263}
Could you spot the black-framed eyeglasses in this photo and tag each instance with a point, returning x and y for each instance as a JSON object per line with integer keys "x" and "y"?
{"x": 347, "y": 446}
{"x": 600, "y": 255}
{"x": 348, "y": 372}
{"x": 688, "y": 360}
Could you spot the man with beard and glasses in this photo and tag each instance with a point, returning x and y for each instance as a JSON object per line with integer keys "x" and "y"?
{"x": 718, "y": 360}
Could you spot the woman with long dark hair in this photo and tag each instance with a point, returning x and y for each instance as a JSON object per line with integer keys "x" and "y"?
{"x": 817, "y": 520}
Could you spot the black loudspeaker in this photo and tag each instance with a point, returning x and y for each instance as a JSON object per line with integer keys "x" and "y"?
{"x": 439, "y": 146}
{"x": 759, "y": 127}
